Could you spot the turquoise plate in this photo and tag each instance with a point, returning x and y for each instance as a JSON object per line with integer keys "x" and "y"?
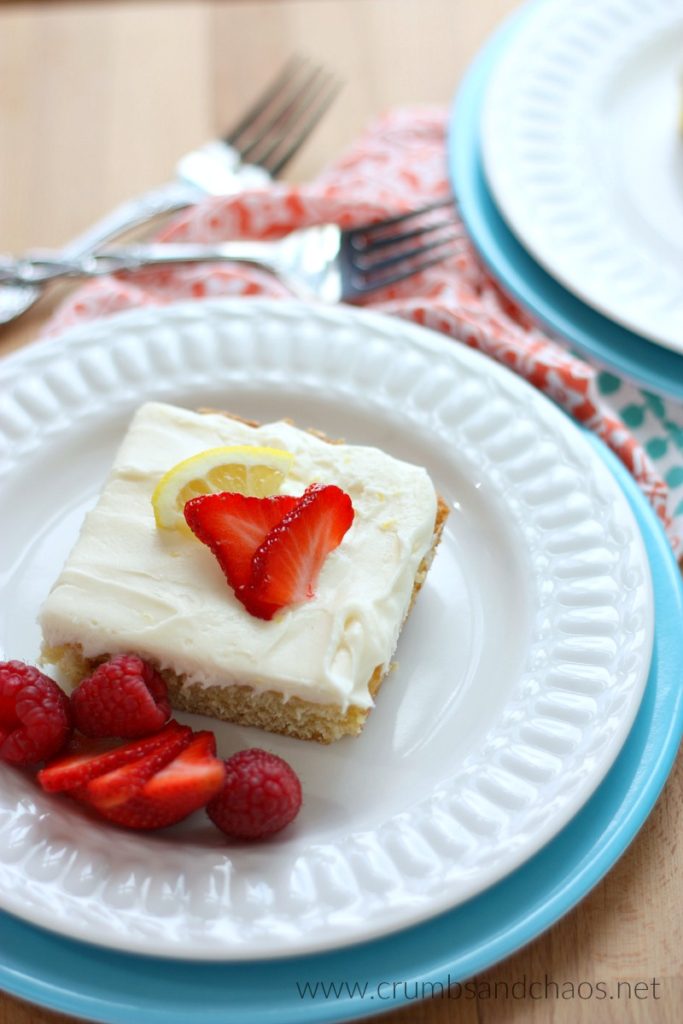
{"x": 612, "y": 346}
{"x": 90, "y": 982}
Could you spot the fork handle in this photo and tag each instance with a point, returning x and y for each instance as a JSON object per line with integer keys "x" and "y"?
{"x": 40, "y": 268}
{"x": 128, "y": 215}
{"x": 131, "y": 214}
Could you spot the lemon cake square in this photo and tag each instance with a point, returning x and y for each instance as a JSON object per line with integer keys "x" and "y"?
{"x": 136, "y": 582}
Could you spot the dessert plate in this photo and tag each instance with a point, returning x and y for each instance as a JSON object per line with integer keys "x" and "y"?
{"x": 116, "y": 988}
{"x": 583, "y": 154}
{"x": 519, "y": 673}
{"x": 652, "y": 366}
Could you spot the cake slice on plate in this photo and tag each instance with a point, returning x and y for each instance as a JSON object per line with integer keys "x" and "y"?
{"x": 281, "y": 607}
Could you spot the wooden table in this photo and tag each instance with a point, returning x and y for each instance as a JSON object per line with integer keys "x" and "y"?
{"x": 97, "y": 101}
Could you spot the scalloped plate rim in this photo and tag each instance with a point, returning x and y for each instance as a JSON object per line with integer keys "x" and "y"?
{"x": 422, "y": 338}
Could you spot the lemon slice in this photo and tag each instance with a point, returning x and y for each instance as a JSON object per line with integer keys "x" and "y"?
{"x": 246, "y": 469}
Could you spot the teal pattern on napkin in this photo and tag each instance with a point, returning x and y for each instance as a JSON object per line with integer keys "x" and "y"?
{"x": 658, "y": 424}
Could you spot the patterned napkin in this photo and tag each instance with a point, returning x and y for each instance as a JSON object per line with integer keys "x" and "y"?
{"x": 400, "y": 164}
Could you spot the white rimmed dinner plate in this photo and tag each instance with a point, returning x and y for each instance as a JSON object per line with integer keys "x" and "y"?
{"x": 518, "y": 674}
{"x": 583, "y": 151}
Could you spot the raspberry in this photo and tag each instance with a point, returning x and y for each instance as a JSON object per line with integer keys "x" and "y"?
{"x": 35, "y": 715}
{"x": 260, "y": 796}
{"x": 125, "y": 697}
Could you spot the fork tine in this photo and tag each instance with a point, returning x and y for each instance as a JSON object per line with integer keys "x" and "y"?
{"x": 282, "y": 80}
{"x": 361, "y": 245}
{"x": 316, "y": 112}
{"x": 368, "y": 284}
{"x": 376, "y": 266}
{"x": 306, "y": 96}
{"x": 369, "y": 230}
{"x": 259, "y": 146}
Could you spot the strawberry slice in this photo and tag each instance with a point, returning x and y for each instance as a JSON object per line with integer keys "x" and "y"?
{"x": 85, "y": 759}
{"x": 286, "y": 566}
{"x": 234, "y": 526}
{"x": 113, "y": 788}
{"x": 184, "y": 785}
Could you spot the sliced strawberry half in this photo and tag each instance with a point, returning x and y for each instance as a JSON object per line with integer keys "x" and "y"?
{"x": 116, "y": 787}
{"x": 234, "y": 526}
{"x": 184, "y": 785}
{"x": 86, "y": 759}
{"x": 286, "y": 566}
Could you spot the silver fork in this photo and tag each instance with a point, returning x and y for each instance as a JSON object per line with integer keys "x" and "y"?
{"x": 255, "y": 150}
{"x": 323, "y": 262}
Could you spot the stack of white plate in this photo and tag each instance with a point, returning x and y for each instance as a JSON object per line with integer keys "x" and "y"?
{"x": 567, "y": 159}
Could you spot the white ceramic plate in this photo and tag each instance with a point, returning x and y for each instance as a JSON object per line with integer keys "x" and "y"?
{"x": 519, "y": 672}
{"x": 583, "y": 153}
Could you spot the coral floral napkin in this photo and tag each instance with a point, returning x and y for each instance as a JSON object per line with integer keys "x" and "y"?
{"x": 400, "y": 164}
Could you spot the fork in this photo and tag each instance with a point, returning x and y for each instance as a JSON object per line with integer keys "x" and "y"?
{"x": 323, "y": 262}
{"x": 253, "y": 151}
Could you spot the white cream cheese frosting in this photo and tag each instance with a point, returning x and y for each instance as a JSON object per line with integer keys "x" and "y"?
{"x": 130, "y": 587}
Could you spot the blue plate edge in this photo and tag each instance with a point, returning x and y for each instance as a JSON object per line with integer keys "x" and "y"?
{"x": 615, "y": 348}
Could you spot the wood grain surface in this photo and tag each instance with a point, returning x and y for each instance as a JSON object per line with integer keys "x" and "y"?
{"x": 98, "y": 99}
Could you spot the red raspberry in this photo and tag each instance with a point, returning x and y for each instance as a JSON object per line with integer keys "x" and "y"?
{"x": 35, "y": 715}
{"x": 125, "y": 697}
{"x": 261, "y": 795}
